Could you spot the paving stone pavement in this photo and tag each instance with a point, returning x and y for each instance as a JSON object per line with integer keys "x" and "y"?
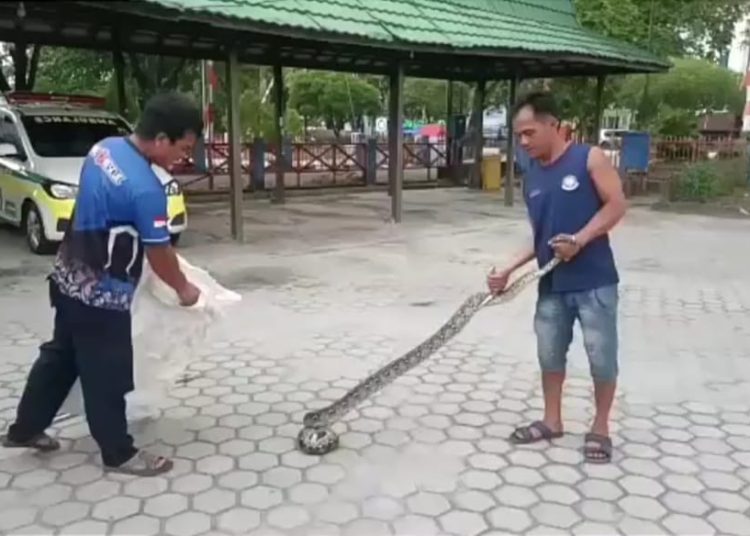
{"x": 428, "y": 454}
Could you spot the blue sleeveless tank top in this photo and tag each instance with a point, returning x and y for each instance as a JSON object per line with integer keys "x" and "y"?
{"x": 562, "y": 198}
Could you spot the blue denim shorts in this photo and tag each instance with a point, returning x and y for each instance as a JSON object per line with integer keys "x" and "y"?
{"x": 596, "y": 311}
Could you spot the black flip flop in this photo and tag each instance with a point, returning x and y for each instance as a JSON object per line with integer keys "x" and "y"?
{"x": 597, "y": 448}
{"x": 524, "y": 435}
{"x": 41, "y": 442}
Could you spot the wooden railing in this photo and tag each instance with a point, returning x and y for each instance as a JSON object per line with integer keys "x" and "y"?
{"x": 309, "y": 165}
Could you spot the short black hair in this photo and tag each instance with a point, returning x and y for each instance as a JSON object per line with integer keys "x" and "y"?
{"x": 540, "y": 102}
{"x": 172, "y": 114}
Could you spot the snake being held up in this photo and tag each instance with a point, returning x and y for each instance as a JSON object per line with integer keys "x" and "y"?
{"x": 316, "y": 437}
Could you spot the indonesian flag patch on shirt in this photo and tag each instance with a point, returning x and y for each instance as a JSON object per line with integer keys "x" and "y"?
{"x": 160, "y": 222}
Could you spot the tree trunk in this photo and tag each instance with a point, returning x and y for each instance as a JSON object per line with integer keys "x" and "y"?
{"x": 33, "y": 67}
{"x": 4, "y": 85}
{"x": 20, "y": 66}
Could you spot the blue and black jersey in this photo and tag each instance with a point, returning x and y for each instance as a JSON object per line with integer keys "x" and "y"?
{"x": 121, "y": 206}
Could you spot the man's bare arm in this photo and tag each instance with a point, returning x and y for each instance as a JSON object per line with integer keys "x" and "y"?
{"x": 522, "y": 257}
{"x": 609, "y": 187}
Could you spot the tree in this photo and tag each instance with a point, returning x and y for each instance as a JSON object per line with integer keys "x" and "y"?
{"x": 19, "y": 63}
{"x": 425, "y": 99}
{"x": 698, "y": 28}
{"x": 689, "y": 88}
{"x": 334, "y": 98}
{"x": 160, "y": 73}
{"x": 74, "y": 71}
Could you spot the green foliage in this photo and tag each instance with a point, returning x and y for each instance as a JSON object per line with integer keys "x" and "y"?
{"x": 700, "y": 28}
{"x": 674, "y": 122}
{"x": 334, "y": 98}
{"x": 709, "y": 180}
{"x": 257, "y": 119}
{"x": 74, "y": 71}
{"x": 690, "y": 86}
{"x": 699, "y": 182}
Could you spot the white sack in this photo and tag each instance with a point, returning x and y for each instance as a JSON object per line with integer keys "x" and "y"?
{"x": 166, "y": 337}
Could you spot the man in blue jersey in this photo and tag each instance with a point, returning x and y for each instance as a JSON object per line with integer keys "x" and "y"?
{"x": 574, "y": 198}
{"x": 120, "y": 216}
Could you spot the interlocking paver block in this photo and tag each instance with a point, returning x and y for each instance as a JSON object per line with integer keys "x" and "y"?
{"x": 188, "y": 524}
{"x": 338, "y": 512}
{"x": 214, "y": 500}
{"x": 288, "y": 517}
{"x": 641, "y": 485}
{"x": 165, "y": 505}
{"x": 558, "y": 493}
{"x": 65, "y": 513}
{"x": 383, "y": 508}
{"x": 462, "y": 522}
{"x": 721, "y": 481}
{"x": 484, "y": 480}
{"x": 140, "y": 524}
{"x": 642, "y": 507}
{"x": 429, "y": 504}
{"x": 725, "y": 500}
{"x": 476, "y": 501}
{"x": 144, "y": 487}
{"x": 730, "y": 522}
{"x": 191, "y": 483}
{"x": 511, "y": 519}
{"x": 239, "y": 520}
{"x": 687, "y": 524}
{"x": 53, "y": 494}
{"x": 116, "y": 508}
{"x": 13, "y": 518}
{"x": 238, "y": 480}
{"x": 261, "y": 497}
{"x": 685, "y": 503}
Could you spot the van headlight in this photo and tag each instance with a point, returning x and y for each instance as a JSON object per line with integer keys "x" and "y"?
{"x": 59, "y": 190}
{"x": 173, "y": 188}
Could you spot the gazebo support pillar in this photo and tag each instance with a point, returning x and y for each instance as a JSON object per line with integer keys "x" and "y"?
{"x": 278, "y": 132}
{"x": 478, "y": 123}
{"x": 600, "y": 81}
{"x": 510, "y": 152}
{"x": 396, "y": 141}
{"x": 449, "y": 125}
{"x": 235, "y": 154}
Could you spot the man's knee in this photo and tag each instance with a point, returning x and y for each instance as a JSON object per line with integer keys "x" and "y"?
{"x": 554, "y": 331}
{"x": 598, "y": 316}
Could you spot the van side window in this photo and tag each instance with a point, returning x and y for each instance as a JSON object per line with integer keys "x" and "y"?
{"x": 9, "y": 133}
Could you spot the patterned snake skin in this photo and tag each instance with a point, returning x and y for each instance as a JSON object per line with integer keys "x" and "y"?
{"x": 316, "y": 437}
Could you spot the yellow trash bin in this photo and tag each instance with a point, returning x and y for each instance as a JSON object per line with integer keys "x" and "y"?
{"x": 491, "y": 178}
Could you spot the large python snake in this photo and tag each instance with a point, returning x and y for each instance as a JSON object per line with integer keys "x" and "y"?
{"x": 317, "y": 438}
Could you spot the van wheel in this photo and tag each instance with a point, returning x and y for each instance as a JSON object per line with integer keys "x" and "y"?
{"x": 175, "y": 239}
{"x": 33, "y": 227}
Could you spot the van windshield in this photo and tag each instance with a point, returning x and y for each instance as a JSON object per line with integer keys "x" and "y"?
{"x": 70, "y": 136}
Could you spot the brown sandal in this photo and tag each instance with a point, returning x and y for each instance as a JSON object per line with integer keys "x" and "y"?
{"x": 536, "y": 431}
{"x": 41, "y": 442}
{"x": 143, "y": 464}
{"x": 597, "y": 448}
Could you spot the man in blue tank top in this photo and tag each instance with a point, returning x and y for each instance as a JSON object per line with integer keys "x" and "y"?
{"x": 120, "y": 217}
{"x": 574, "y": 198}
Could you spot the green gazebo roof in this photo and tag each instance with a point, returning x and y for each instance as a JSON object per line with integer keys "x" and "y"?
{"x": 458, "y": 39}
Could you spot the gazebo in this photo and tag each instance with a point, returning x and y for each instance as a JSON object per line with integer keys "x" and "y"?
{"x": 464, "y": 40}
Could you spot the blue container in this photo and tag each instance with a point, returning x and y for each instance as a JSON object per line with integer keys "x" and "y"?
{"x": 635, "y": 152}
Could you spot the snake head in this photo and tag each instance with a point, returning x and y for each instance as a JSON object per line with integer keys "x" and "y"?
{"x": 313, "y": 420}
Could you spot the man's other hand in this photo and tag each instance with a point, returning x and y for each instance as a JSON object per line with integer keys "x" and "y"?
{"x": 497, "y": 281}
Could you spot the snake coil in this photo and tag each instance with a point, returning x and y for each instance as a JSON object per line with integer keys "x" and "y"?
{"x": 317, "y": 438}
